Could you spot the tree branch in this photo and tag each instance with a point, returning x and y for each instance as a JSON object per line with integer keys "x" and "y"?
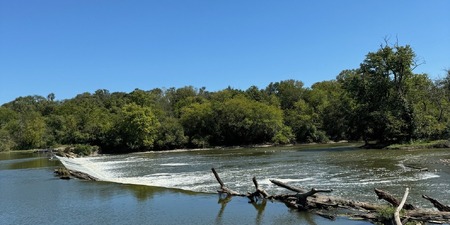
{"x": 397, "y": 211}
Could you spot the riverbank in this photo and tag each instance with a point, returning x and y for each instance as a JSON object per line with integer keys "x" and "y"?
{"x": 421, "y": 145}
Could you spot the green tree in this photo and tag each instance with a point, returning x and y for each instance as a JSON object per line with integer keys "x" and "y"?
{"x": 380, "y": 89}
{"x": 304, "y": 121}
{"x": 332, "y": 105}
{"x": 28, "y": 131}
{"x": 244, "y": 121}
{"x": 198, "y": 123}
{"x": 7, "y": 116}
{"x": 288, "y": 92}
{"x": 170, "y": 134}
{"x": 137, "y": 127}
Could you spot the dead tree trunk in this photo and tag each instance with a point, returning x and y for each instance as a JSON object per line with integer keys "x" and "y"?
{"x": 259, "y": 193}
{"x": 301, "y": 198}
{"x": 223, "y": 188}
{"x": 391, "y": 199}
{"x": 287, "y": 186}
{"x": 441, "y": 207}
{"x": 397, "y": 211}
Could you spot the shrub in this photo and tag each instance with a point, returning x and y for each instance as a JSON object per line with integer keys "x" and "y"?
{"x": 84, "y": 150}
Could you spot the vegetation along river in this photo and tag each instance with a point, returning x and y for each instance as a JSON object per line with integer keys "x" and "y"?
{"x": 185, "y": 191}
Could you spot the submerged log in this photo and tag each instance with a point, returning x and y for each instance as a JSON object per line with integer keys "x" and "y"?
{"x": 441, "y": 207}
{"x": 421, "y": 169}
{"x": 391, "y": 199}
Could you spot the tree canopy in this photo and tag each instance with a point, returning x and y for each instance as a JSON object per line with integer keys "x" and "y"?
{"x": 381, "y": 101}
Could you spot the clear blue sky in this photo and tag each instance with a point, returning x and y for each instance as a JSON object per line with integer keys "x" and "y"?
{"x": 74, "y": 46}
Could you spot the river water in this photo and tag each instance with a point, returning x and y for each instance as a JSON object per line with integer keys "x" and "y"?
{"x": 185, "y": 186}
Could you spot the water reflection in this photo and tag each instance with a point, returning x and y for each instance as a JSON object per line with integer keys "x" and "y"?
{"x": 260, "y": 206}
{"x": 223, "y": 201}
{"x": 144, "y": 193}
{"x": 33, "y": 163}
{"x": 26, "y": 160}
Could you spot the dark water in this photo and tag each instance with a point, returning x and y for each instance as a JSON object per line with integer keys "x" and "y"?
{"x": 30, "y": 194}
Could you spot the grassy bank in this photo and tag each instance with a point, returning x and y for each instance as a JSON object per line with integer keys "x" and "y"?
{"x": 422, "y": 145}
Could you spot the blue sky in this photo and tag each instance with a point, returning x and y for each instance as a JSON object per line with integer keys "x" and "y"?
{"x": 74, "y": 46}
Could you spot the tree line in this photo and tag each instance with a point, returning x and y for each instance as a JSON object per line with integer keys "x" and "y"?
{"x": 382, "y": 101}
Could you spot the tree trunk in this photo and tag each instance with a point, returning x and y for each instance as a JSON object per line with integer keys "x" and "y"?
{"x": 391, "y": 199}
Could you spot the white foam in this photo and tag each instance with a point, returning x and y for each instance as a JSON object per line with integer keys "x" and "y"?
{"x": 295, "y": 180}
{"x": 84, "y": 165}
{"x": 174, "y": 164}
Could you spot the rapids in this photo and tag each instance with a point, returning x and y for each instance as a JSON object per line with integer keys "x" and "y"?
{"x": 351, "y": 172}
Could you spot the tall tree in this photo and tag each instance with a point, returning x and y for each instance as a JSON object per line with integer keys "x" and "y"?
{"x": 380, "y": 89}
{"x": 288, "y": 92}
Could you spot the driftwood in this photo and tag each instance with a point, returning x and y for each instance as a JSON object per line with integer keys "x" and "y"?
{"x": 258, "y": 194}
{"x": 391, "y": 199}
{"x": 330, "y": 206}
{"x": 284, "y": 185}
{"x": 223, "y": 188}
{"x": 421, "y": 169}
{"x": 400, "y": 207}
{"x": 441, "y": 207}
{"x": 301, "y": 202}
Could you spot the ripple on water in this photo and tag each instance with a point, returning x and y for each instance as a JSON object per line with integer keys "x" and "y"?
{"x": 351, "y": 173}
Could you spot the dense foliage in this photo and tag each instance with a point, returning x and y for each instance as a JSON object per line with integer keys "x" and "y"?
{"x": 382, "y": 101}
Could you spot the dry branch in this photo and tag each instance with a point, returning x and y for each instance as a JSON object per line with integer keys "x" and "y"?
{"x": 287, "y": 186}
{"x": 441, "y": 207}
{"x": 301, "y": 198}
{"x": 258, "y": 194}
{"x": 391, "y": 199}
{"x": 223, "y": 188}
{"x": 400, "y": 206}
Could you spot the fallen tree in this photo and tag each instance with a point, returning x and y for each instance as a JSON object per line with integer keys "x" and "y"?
{"x": 329, "y": 207}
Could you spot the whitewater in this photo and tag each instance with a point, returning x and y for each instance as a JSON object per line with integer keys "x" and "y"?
{"x": 350, "y": 172}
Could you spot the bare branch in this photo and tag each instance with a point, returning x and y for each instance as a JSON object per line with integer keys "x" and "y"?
{"x": 397, "y": 211}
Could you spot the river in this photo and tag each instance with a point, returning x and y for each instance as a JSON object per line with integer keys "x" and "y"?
{"x": 185, "y": 187}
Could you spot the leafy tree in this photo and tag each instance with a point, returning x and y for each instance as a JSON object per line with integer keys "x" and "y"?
{"x": 288, "y": 92}
{"x": 143, "y": 98}
{"x": 171, "y": 135}
{"x": 243, "y": 121}
{"x": 332, "y": 105}
{"x": 7, "y": 116}
{"x": 138, "y": 127}
{"x": 198, "y": 122}
{"x": 261, "y": 95}
{"x": 84, "y": 119}
{"x": 304, "y": 121}
{"x": 283, "y": 136}
{"x": 380, "y": 89}
{"x": 28, "y": 131}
